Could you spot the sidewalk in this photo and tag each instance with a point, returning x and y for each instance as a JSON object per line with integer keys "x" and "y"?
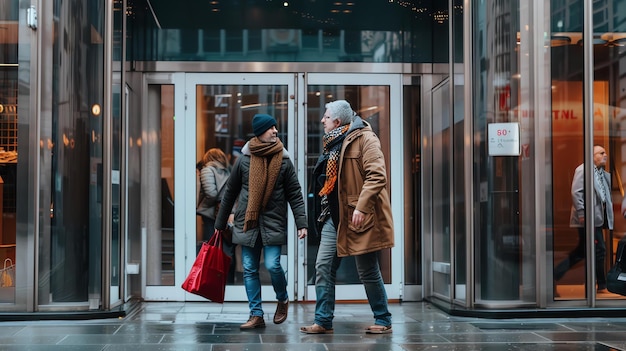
{"x": 158, "y": 326}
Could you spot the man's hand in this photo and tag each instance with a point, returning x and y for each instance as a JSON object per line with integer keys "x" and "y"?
{"x": 231, "y": 219}
{"x": 302, "y": 233}
{"x": 357, "y": 218}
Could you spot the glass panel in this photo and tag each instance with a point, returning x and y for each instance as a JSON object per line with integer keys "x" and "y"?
{"x": 8, "y": 146}
{"x": 412, "y": 185}
{"x": 159, "y": 149}
{"x": 371, "y": 102}
{"x": 609, "y": 114}
{"x": 302, "y": 31}
{"x": 441, "y": 189}
{"x": 116, "y": 156}
{"x": 460, "y": 228}
{"x": 460, "y": 235}
{"x": 224, "y": 120}
{"x": 568, "y": 132}
{"x": 134, "y": 222}
{"x": 70, "y": 237}
{"x": 505, "y": 201}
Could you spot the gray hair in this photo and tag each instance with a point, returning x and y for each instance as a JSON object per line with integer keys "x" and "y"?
{"x": 340, "y": 110}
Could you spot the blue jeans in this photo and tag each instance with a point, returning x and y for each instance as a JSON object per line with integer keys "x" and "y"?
{"x": 326, "y": 266}
{"x": 251, "y": 258}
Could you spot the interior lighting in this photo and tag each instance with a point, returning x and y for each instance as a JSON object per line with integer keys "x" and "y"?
{"x": 95, "y": 110}
{"x": 440, "y": 17}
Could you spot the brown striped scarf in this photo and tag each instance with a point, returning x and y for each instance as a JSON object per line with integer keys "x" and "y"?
{"x": 265, "y": 163}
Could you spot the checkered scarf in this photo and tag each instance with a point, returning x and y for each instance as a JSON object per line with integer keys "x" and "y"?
{"x": 332, "y": 146}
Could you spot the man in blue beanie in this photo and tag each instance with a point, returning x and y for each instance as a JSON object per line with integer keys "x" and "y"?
{"x": 264, "y": 174}
{"x": 261, "y": 123}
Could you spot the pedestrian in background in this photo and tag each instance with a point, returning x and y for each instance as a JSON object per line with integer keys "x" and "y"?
{"x": 603, "y": 217}
{"x": 214, "y": 173}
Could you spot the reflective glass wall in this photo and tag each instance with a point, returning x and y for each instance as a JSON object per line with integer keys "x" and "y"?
{"x": 296, "y": 31}
{"x": 71, "y": 155}
{"x": 503, "y": 185}
{"x": 572, "y": 123}
{"x": 547, "y": 116}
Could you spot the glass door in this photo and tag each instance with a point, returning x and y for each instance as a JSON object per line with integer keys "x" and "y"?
{"x": 441, "y": 220}
{"x": 216, "y": 110}
{"x": 377, "y": 99}
{"x": 219, "y": 112}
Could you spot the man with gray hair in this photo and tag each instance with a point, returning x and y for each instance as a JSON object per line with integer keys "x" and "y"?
{"x": 355, "y": 214}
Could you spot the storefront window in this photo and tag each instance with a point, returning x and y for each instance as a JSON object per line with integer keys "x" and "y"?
{"x": 570, "y": 126}
{"x": 8, "y": 146}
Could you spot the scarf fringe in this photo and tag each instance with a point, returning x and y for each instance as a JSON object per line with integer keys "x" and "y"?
{"x": 329, "y": 185}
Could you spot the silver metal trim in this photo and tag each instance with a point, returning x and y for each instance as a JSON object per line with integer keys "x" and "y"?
{"x": 107, "y": 117}
{"x": 469, "y": 151}
{"x": 542, "y": 106}
{"x": 588, "y": 65}
{"x": 442, "y": 267}
{"x": 451, "y": 192}
{"x": 288, "y": 67}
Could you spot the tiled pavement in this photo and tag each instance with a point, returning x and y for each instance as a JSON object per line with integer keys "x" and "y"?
{"x": 157, "y": 326}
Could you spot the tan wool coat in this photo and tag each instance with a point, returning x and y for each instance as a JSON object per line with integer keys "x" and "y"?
{"x": 362, "y": 181}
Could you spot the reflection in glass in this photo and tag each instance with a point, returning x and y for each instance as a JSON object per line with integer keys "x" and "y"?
{"x": 70, "y": 237}
{"x": 412, "y": 185}
{"x": 224, "y": 120}
{"x": 372, "y": 104}
{"x": 371, "y": 31}
{"x": 8, "y": 147}
{"x": 609, "y": 100}
{"x": 460, "y": 227}
{"x": 569, "y": 127}
{"x": 442, "y": 165}
{"x": 504, "y": 202}
{"x": 116, "y": 158}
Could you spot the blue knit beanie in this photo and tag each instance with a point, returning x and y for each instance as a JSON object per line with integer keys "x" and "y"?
{"x": 261, "y": 123}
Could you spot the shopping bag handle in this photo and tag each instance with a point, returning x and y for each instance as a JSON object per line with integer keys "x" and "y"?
{"x": 216, "y": 239}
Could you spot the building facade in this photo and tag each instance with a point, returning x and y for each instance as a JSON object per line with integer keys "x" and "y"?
{"x": 484, "y": 110}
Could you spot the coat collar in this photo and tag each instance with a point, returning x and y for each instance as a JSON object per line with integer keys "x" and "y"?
{"x": 357, "y": 126}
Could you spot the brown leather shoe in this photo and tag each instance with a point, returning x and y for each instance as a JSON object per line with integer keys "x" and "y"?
{"x": 281, "y": 312}
{"x": 316, "y": 329}
{"x": 253, "y": 322}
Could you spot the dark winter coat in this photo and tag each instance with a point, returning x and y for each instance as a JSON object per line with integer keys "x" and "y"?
{"x": 273, "y": 218}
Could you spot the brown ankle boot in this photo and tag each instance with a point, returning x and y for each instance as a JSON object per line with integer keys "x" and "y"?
{"x": 253, "y": 322}
{"x": 281, "y": 312}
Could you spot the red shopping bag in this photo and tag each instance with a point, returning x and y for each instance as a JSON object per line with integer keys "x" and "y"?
{"x": 208, "y": 274}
